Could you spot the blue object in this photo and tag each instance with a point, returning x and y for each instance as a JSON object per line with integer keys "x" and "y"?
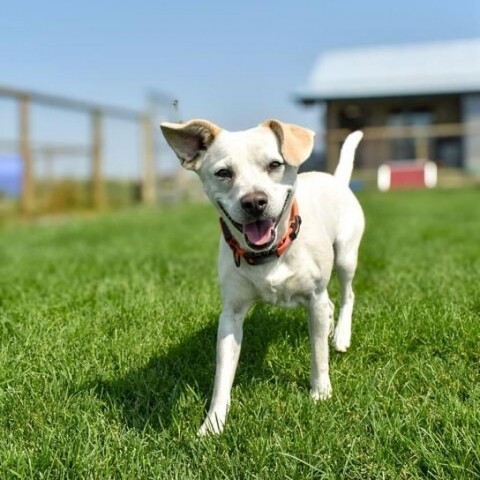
{"x": 356, "y": 185}
{"x": 10, "y": 175}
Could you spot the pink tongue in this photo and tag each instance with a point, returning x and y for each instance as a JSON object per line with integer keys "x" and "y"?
{"x": 259, "y": 232}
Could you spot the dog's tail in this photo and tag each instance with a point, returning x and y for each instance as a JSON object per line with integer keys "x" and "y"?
{"x": 345, "y": 165}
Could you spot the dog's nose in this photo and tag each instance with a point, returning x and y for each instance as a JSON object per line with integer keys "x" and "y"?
{"x": 254, "y": 203}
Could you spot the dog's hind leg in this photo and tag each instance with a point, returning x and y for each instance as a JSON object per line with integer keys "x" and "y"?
{"x": 346, "y": 264}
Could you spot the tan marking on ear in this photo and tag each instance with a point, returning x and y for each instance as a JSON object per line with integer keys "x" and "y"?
{"x": 296, "y": 143}
{"x": 189, "y": 140}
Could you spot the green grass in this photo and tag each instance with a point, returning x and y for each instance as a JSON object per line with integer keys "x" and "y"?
{"x": 107, "y": 346}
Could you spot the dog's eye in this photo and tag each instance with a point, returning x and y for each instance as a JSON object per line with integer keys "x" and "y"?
{"x": 224, "y": 173}
{"x": 275, "y": 165}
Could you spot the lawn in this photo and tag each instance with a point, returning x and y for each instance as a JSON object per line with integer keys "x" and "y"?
{"x": 108, "y": 326}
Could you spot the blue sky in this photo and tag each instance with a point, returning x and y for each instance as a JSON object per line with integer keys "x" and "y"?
{"x": 235, "y": 63}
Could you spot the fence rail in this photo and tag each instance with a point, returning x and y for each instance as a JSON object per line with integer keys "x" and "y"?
{"x": 71, "y": 104}
{"x": 437, "y": 130}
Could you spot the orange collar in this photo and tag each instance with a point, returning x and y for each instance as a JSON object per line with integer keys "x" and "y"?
{"x": 253, "y": 258}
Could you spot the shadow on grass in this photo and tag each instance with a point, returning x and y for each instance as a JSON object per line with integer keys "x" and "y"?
{"x": 152, "y": 394}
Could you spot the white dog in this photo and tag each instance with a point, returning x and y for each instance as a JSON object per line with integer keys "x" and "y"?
{"x": 251, "y": 178}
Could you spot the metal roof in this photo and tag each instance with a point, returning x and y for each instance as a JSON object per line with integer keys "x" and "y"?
{"x": 401, "y": 70}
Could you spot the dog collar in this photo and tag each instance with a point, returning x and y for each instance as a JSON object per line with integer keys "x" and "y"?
{"x": 254, "y": 258}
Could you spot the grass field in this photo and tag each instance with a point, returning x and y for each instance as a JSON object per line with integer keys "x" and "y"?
{"x": 107, "y": 350}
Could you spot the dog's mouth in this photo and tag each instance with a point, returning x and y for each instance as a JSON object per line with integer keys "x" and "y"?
{"x": 261, "y": 233}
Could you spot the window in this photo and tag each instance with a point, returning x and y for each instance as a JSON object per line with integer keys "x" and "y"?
{"x": 404, "y": 148}
{"x": 352, "y": 117}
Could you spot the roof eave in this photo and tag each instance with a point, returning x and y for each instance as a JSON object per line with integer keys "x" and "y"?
{"x": 310, "y": 98}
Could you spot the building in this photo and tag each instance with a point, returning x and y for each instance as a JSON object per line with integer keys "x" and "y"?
{"x": 413, "y": 102}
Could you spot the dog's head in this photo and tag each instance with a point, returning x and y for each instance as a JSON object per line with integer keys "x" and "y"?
{"x": 249, "y": 175}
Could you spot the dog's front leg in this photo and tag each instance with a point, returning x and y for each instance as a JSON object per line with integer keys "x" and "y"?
{"x": 320, "y": 322}
{"x": 229, "y": 341}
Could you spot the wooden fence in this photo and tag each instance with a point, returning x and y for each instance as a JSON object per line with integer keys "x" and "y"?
{"x": 97, "y": 114}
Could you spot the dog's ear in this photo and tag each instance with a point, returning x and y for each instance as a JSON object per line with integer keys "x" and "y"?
{"x": 189, "y": 140}
{"x": 296, "y": 143}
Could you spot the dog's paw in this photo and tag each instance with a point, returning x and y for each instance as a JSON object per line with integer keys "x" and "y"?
{"x": 211, "y": 426}
{"x": 323, "y": 391}
{"x": 341, "y": 341}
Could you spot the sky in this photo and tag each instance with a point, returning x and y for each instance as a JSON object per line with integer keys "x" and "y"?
{"x": 234, "y": 63}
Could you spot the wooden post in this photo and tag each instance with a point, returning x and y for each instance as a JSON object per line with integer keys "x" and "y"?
{"x": 332, "y": 143}
{"x": 421, "y": 148}
{"x": 97, "y": 154}
{"x": 28, "y": 193}
{"x": 333, "y": 153}
{"x": 148, "y": 166}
